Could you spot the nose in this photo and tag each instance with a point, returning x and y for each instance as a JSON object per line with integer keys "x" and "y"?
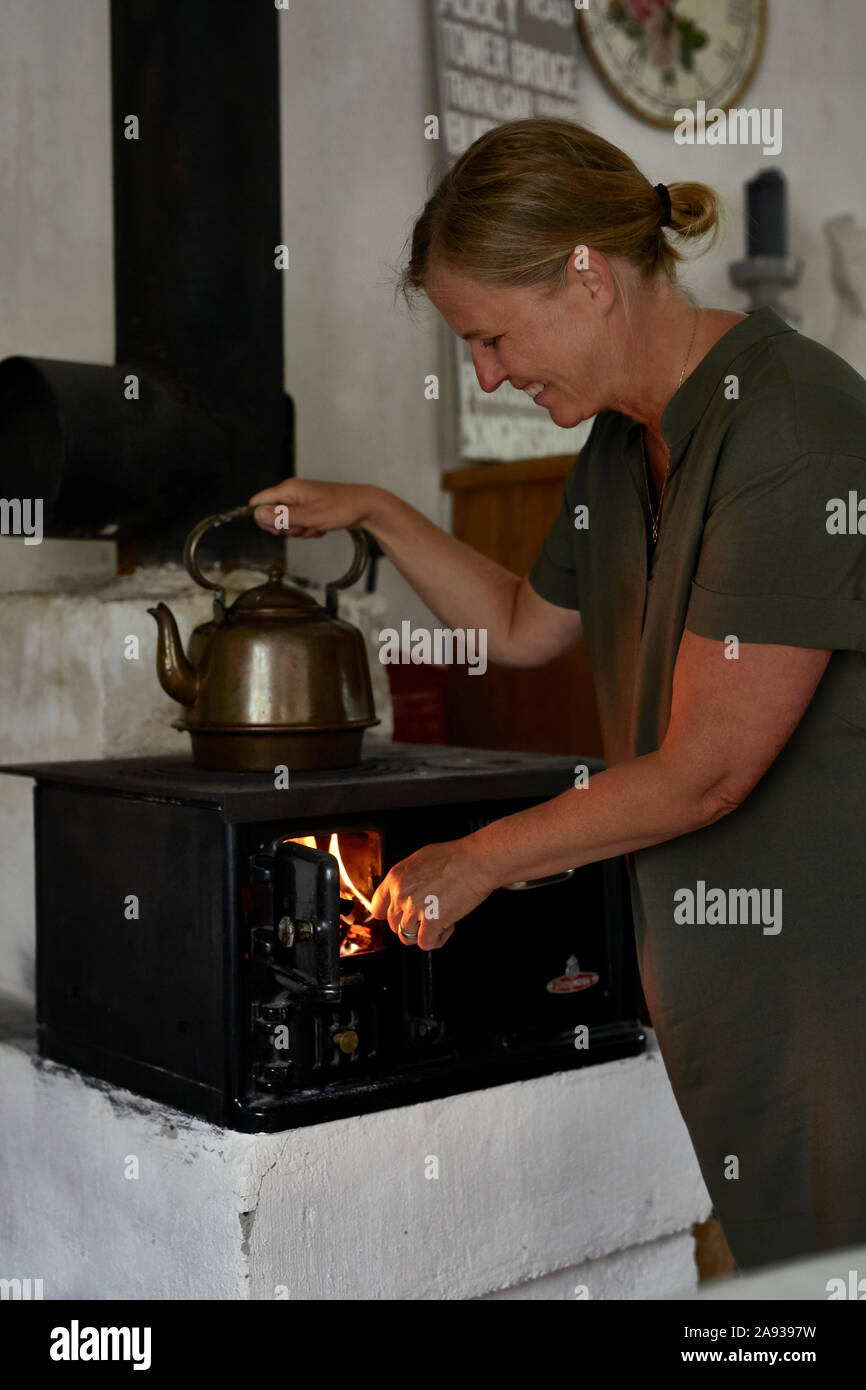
{"x": 490, "y": 374}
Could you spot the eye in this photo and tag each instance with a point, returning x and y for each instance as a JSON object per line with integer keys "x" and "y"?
{"x": 490, "y": 342}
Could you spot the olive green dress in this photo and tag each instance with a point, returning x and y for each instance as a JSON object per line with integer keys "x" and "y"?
{"x": 759, "y": 1010}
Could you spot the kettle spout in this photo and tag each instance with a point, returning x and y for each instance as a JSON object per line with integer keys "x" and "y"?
{"x": 177, "y": 676}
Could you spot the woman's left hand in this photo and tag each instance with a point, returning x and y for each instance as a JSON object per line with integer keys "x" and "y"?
{"x": 430, "y": 891}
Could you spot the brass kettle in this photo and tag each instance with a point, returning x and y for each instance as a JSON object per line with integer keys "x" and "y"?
{"x": 276, "y": 679}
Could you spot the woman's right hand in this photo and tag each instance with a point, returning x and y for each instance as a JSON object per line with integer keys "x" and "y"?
{"x": 312, "y": 508}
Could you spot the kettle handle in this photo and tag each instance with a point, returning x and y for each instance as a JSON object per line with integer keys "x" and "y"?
{"x": 352, "y": 575}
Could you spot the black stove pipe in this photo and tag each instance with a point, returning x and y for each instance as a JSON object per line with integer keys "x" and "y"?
{"x": 192, "y": 418}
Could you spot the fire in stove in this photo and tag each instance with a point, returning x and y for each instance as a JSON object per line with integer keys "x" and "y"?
{"x": 358, "y": 857}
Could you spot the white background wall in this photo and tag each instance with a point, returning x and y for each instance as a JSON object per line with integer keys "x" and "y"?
{"x": 357, "y": 82}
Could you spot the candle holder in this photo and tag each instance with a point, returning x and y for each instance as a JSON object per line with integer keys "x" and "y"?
{"x": 764, "y": 278}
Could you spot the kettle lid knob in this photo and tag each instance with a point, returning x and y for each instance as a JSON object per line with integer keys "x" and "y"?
{"x": 275, "y": 574}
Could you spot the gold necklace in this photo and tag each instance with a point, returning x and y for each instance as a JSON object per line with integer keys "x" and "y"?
{"x": 656, "y": 517}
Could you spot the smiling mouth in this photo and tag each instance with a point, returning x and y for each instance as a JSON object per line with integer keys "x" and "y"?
{"x": 535, "y": 388}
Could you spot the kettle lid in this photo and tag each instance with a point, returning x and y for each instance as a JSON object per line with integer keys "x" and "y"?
{"x": 277, "y": 597}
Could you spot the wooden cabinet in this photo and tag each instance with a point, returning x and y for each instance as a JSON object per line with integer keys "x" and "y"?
{"x": 504, "y": 510}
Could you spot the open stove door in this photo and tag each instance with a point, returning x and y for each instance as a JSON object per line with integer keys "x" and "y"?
{"x": 306, "y": 888}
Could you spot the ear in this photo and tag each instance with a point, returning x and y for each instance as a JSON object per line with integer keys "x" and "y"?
{"x": 591, "y": 272}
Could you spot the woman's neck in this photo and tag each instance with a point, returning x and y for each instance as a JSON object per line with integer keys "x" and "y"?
{"x": 665, "y": 345}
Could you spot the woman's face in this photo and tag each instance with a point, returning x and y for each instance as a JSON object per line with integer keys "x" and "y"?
{"x": 561, "y": 344}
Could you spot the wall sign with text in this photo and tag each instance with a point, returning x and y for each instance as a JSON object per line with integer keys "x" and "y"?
{"x": 496, "y": 61}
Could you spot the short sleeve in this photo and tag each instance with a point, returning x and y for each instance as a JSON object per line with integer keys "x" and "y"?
{"x": 783, "y": 558}
{"x": 553, "y": 576}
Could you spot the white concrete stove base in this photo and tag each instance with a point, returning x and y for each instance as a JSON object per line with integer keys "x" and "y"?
{"x": 581, "y": 1178}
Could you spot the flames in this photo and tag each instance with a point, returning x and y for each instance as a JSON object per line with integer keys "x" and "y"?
{"x": 334, "y": 848}
{"x": 361, "y": 850}
{"x": 357, "y": 936}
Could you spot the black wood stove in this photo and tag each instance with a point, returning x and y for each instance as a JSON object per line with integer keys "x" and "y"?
{"x": 202, "y": 937}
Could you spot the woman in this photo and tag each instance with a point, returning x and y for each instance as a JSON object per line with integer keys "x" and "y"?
{"x": 708, "y": 553}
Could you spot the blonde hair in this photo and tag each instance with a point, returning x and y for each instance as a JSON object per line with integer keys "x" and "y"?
{"x": 514, "y": 206}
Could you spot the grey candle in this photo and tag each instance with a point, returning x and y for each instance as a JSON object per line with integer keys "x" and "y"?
{"x": 766, "y": 216}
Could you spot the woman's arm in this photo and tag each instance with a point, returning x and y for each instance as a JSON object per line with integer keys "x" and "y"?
{"x": 463, "y": 588}
{"x": 729, "y": 721}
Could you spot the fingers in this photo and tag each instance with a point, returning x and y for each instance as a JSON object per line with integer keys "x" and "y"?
{"x": 277, "y": 493}
{"x": 398, "y": 906}
{"x": 301, "y": 507}
{"x": 389, "y": 905}
{"x": 432, "y": 935}
{"x": 265, "y": 517}
{"x": 277, "y": 507}
{"x": 269, "y": 518}
{"x": 379, "y": 902}
{"x": 409, "y": 930}
{"x": 403, "y": 918}
{"x": 414, "y": 929}
{"x": 407, "y": 916}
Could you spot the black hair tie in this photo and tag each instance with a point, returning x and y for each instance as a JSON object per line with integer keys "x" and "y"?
{"x": 660, "y": 189}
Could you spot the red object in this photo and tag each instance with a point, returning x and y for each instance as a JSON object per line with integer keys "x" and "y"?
{"x": 568, "y": 984}
{"x": 418, "y": 696}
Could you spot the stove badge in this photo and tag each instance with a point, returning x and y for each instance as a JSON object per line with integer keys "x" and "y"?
{"x": 573, "y": 979}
